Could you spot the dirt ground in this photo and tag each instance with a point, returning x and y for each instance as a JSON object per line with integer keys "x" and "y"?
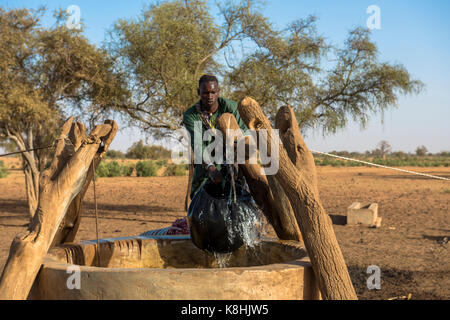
{"x": 410, "y": 248}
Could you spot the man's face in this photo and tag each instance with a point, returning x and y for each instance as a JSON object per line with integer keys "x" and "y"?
{"x": 209, "y": 95}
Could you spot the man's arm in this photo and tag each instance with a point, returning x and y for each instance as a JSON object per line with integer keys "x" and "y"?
{"x": 194, "y": 130}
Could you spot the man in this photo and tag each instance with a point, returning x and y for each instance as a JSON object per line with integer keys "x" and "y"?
{"x": 207, "y": 111}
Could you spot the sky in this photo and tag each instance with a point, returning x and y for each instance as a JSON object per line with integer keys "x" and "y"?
{"x": 412, "y": 32}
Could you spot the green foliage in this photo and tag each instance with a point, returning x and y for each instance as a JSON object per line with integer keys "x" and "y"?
{"x": 112, "y": 169}
{"x": 140, "y": 151}
{"x": 3, "y": 171}
{"x": 164, "y": 51}
{"x": 175, "y": 170}
{"x": 171, "y": 44}
{"x": 46, "y": 74}
{"x": 161, "y": 163}
{"x": 421, "y": 151}
{"x": 287, "y": 69}
{"x": 102, "y": 170}
{"x": 115, "y": 154}
{"x": 146, "y": 169}
{"x": 45, "y": 70}
{"x": 128, "y": 169}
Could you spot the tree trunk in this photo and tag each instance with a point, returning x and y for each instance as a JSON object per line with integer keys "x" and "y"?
{"x": 31, "y": 187}
{"x": 59, "y": 185}
{"x": 318, "y": 234}
{"x": 267, "y": 195}
{"x": 30, "y": 167}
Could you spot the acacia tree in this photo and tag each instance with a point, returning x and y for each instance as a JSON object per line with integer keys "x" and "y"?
{"x": 166, "y": 50}
{"x": 384, "y": 148}
{"x": 421, "y": 150}
{"x": 45, "y": 72}
{"x": 288, "y": 68}
{"x": 172, "y": 43}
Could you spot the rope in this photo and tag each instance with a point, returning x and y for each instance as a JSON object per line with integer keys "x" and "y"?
{"x": 89, "y": 140}
{"x": 233, "y": 185}
{"x": 381, "y": 166}
{"x": 23, "y": 151}
{"x": 96, "y": 215}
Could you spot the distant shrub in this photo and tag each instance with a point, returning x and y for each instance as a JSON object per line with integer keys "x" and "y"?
{"x": 3, "y": 171}
{"x": 140, "y": 151}
{"x": 146, "y": 169}
{"x": 110, "y": 170}
{"x": 128, "y": 169}
{"x": 115, "y": 169}
{"x": 102, "y": 170}
{"x": 115, "y": 154}
{"x": 421, "y": 151}
{"x": 175, "y": 170}
{"x": 161, "y": 163}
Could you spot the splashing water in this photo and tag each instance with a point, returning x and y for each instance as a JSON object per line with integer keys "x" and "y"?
{"x": 222, "y": 259}
{"x": 250, "y": 226}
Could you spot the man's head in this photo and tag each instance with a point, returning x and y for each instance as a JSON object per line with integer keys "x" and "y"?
{"x": 209, "y": 91}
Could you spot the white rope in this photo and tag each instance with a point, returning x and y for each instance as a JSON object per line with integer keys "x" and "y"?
{"x": 381, "y": 166}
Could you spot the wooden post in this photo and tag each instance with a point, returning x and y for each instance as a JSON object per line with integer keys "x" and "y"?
{"x": 59, "y": 185}
{"x": 268, "y": 199}
{"x": 295, "y": 146}
{"x": 318, "y": 234}
{"x": 69, "y": 226}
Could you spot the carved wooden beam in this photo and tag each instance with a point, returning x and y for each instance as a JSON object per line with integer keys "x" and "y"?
{"x": 267, "y": 196}
{"x": 69, "y": 226}
{"x": 295, "y": 146}
{"x": 318, "y": 234}
{"x": 59, "y": 185}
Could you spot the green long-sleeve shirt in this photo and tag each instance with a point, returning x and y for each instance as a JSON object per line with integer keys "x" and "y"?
{"x": 189, "y": 119}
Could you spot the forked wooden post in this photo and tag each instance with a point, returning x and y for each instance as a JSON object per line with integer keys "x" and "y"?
{"x": 59, "y": 186}
{"x": 69, "y": 226}
{"x": 269, "y": 200}
{"x": 318, "y": 234}
{"x": 295, "y": 146}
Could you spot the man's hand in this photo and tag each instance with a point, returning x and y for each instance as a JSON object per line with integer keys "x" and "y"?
{"x": 215, "y": 175}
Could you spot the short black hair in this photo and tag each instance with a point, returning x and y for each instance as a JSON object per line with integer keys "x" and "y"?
{"x": 207, "y": 78}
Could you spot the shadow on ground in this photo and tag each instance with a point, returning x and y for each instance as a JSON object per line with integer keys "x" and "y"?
{"x": 396, "y": 284}
{"x": 129, "y": 209}
{"x": 338, "y": 219}
{"x": 14, "y": 207}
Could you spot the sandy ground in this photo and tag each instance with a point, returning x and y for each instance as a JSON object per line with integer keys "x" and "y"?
{"x": 408, "y": 248}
